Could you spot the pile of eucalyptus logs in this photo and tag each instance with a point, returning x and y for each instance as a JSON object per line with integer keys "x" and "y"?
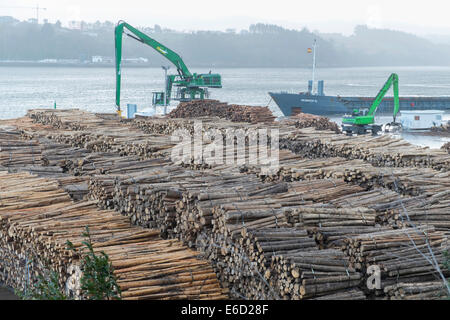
{"x": 404, "y": 255}
{"x": 305, "y": 120}
{"x": 289, "y": 234}
{"x": 214, "y": 108}
{"x": 177, "y": 201}
{"x": 433, "y": 290}
{"x": 431, "y": 211}
{"x": 245, "y": 263}
{"x": 71, "y": 119}
{"x": 37, "y": 218}
{"x": 442, "y": 128}
{"x": 248, "y": 259}
{"x": 402, "y": 180}
{"x": 166, "y": 126}
{"x": 268, "y": 260}
{"x": 446, "y": 147}
{"x": 195, "y": 211}
{"x": 383, "y": 151}
{"x": 15, "y": 152}
{"x": 116, "y": 139}
{"x": 225, "y": 214}
{"x": 310, "y": 274}
{"x": 328, "y": 225}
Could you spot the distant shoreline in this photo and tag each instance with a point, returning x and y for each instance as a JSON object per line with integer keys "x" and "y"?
{"x": 144, "y": 65}
{"x": 68, "y": 65}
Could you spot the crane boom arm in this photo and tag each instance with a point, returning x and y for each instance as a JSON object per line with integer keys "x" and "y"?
{"x": 170, "y": 55}
{"x": 391, "y": 81}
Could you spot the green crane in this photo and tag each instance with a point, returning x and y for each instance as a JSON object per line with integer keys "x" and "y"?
{"x": 362, "y": 120}
{"x": 190, "y": 85}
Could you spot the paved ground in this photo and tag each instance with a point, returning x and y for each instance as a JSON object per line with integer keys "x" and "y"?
{"x": 7, "y": 294}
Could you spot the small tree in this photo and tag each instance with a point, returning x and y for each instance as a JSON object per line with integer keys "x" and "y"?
{"x": 98, "y": 281}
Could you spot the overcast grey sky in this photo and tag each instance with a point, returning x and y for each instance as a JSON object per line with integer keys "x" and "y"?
{"x": 420, "y": 17}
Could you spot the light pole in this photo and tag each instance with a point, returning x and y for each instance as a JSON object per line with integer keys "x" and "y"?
{"x": 165, "y": 68}
{"x": 314, "y": 66}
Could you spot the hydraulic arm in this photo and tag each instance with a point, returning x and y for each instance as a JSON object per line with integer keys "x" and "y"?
{"x": 191, "y": 85}
{"x": 391, "y": 81}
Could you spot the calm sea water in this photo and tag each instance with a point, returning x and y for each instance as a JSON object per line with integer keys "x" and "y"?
{"x": 93, "y": 89}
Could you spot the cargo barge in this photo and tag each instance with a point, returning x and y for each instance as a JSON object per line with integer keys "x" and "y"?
{"x": 321, "y": 104}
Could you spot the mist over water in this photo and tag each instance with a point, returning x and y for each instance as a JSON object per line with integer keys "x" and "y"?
{"x": 93, "y": 89}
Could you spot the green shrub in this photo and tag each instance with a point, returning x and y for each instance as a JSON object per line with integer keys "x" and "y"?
{"x": 47, "y": 288}
{"x": 98, "y": 281}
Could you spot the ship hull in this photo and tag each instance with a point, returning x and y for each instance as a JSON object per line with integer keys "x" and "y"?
{"x": 291, "y": 103}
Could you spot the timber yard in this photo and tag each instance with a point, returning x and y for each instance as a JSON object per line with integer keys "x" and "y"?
{"x": 310, "y": 230}
{"x": 341, "y": 215}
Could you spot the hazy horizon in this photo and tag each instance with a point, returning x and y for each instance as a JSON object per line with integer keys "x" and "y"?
{"x": 324, "y": 16}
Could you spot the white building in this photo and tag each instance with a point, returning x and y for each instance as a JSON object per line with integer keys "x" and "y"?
{"x": 421, "y": 119}
{"x": 97, "y": 59}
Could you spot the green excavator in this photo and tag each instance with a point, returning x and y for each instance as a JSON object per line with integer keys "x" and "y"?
{"x": 363, "y": 120}
{"x": 190, "y": 86}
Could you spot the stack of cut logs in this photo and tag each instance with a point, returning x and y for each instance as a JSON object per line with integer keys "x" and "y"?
{"x": 433, "y": 290}
{"x": 382, "y": 151}
{"x": 431, "y": 211}
{"x": 441, "y": 128}
{"x": 412, "y": 255}
{"x": 329, "y": 226}
{"x": 37, "y": 218}
{"x": 305, "y": 120}
{"x": 15, "y": 152}
{"x": 446, "y": 146}
{"x": 308, "y": 230}
{"x": 163, "y": 126}
{"x": 214, "y": 108}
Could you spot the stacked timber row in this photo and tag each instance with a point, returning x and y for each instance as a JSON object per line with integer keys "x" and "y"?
{"x": 176, "y": 200}
{"x": 244, "y": 210}
{"x": 410, "y": 255}
{"x": 305, "y": 120}
{"x": 214, "y": 108}
{"x": 37, "y": 218}
{"x": 446, "y": 147}
{"x": 432, "y": 211}
{"x": 329, "y": 226}
{"x": 208, "y": 209}
{"x": 308, "y": 142}
{"x": 313, "y": 274}
{"x": 402, "y": 180}
{"x": 442, "y": 128}
{"x": 165, "y": 126}
{"x": 433, "y": 290}
{"x": 249, "y": 234}
{"x": 72, "y": 119}
{"x": 383, "y": 151}
{"x": 97, "y": 134}
{"x": 123, "y": 142}
{"x": 15, "y": 152}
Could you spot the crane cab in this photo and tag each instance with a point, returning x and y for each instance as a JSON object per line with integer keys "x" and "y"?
{"x": 358, "y": 117}
{"x": 158, "y": 98}
{"x": 209, "y": 80}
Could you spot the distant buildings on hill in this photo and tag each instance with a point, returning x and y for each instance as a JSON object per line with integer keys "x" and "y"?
{"x": 93, "y": 61}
